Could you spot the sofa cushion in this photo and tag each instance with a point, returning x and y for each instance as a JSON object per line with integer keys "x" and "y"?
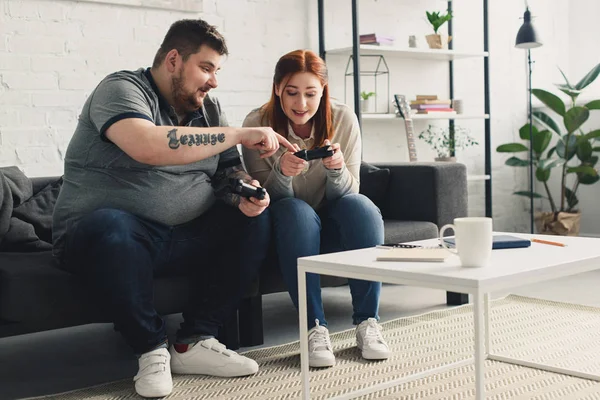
{"x": 39, "y": 296}
{"x": 37, "y": 210}
{"x": 407, "y": 231}
{"x": 374, "y": 183}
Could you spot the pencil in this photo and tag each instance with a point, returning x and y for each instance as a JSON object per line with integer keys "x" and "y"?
{"x": 548, "y": 242}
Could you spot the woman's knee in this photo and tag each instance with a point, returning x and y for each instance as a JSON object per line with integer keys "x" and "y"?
{"x": 359, "y": 218}
{"x": 292, "y": 214}
{"x": 355, "y": 204}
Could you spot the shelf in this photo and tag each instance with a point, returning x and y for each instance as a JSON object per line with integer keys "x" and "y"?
{"x": 419, "y": 54}
{"x": 471, "y": 178}
{"x": 374, "y": 116}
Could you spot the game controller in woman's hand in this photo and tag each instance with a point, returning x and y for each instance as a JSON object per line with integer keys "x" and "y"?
{"x": 319, "y": 152}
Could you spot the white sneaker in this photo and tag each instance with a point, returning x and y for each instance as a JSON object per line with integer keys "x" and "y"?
{"x": 370, "y": 341}
{"x": 320, "y": 352}
{"x": 209, "y": 357}
{"x": 154, "y": 375}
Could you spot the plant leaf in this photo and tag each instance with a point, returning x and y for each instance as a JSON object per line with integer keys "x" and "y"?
{"x": 542, "y": 175}
{"x": 589, "y": 78}
{"x": 588, "y": 179}
{"x": 564, "y": 76}
{"x": 551, "y": 151}
{"x": 541, "y": 140}
{"x": 576, "y": 117}
{"x": 546, "y": 120}
{"x": 593, "y": 105}
{"x": 571, "y": 92}
{"x": 511, "y": 148}
{"x": 560, "y": 147}
{"x": 529, "y": 194}
{"x": 583, "y": 169}
{"x": 550, "y": 163}
{"x": 524, "y": 131}
{"x": 572, "y": 200}
{"x": 551, "y": 100}
{"x": 584, "y": 149}
{"x": 517, "y": 162}
{"x": 592, "y": 134}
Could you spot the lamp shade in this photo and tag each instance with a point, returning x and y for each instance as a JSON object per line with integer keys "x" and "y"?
{"x": 527, "y": 37}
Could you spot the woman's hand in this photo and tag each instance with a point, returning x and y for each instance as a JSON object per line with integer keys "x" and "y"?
{"x": 252, "y": 207}
{"x": 336, "y": 161}
{"x": 290, "y": 164}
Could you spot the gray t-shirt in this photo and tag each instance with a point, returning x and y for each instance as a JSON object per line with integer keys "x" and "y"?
{"x": 98, "y": 174}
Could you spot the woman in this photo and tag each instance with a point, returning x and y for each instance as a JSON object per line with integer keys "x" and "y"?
{"x": 315, "y": 205}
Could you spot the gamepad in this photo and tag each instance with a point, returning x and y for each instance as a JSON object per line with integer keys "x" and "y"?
{"x": 319, "y": 152}
{"x": 238, "y": 186}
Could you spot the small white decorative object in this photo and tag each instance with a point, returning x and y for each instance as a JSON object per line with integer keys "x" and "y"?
{"x": 412, "y": 41}
{"x": 457, "y": 105}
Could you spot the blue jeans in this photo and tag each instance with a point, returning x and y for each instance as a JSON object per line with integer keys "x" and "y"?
{"x": 351, "y": 222}
{"x": 118, "y": 254}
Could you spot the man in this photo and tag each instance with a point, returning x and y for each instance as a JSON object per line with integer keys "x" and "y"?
{"x": 138, "y": 201}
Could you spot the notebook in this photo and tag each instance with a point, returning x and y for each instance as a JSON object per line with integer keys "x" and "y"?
{"x": 501, "y": 242}
{"x": 419, "y": 254}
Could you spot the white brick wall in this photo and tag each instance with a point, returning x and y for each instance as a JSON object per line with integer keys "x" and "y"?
{"x": 53, "y": 54}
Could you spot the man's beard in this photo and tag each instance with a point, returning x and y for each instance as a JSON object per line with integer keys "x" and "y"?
{"x": 184, "y": 101}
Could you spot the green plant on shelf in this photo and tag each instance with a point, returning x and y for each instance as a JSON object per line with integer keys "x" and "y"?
{"x": 437, "y": 20}
{"x": 444, "y": 143}
{"x": 366, "y": 95}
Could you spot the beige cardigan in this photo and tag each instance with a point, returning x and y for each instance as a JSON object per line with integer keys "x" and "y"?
{"x": 317, "y": 185}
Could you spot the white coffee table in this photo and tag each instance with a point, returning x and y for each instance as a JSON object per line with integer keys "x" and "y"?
{"x": 508, "y": 269}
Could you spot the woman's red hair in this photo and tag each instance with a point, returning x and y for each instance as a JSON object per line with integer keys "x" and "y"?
{"x": 292, "y": 63}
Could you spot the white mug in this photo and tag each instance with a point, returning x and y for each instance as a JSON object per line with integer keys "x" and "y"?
{"x": 473, "y": 240}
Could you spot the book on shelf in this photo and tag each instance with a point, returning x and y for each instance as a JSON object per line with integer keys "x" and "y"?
{"x": 437, "y": 112}
{"x": 427, "y": 97}
{"x": 375, "y": 39}
{"x": 428, "y": 106}
{"x": 430, "y": 102}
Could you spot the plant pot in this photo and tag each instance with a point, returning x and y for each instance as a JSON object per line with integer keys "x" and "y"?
{"x": 561, "y": 223}
{"x": 365, "y": 105}
{"x": 436, "y": 41}
{"x": 445, "y": 159}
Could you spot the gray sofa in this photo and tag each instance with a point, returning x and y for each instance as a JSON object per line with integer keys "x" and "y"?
{"x": 35, "y": 295}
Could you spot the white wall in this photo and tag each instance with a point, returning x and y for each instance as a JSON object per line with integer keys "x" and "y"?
{"x": 53, "y": 53}
{"x": 561, "y": 25}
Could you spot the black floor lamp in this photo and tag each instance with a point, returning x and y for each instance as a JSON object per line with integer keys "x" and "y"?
{"x": 528, "y": 39}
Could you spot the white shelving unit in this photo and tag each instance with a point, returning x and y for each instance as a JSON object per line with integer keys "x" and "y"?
{"x": 408, "y": 53}
{"x": 472, "y": 178}
{"x": 374, "y": 116}
{"x": 425, "y": 55}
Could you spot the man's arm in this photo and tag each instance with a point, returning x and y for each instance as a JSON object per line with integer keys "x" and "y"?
{"x": 147, "y": 143}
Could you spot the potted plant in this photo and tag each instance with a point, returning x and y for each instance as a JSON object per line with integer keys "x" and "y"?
{"x": 574, "y": 154}
{"x": 435, "y": 40}
{"x": 445, "y": 141}
{"x": 365, "y": 101}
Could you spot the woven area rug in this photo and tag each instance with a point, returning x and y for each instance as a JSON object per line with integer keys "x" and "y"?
{"x": 553, "y": 333}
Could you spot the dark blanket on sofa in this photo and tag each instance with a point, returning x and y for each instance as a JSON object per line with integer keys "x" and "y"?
{"x": 25, "y": 219}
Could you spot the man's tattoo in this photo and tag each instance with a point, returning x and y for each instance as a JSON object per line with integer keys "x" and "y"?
{"x": 195, "y": 139}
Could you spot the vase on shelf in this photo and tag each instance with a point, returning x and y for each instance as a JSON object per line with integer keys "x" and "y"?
{"x": 436, "y": 41}
{"x": 365, "y": 105}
